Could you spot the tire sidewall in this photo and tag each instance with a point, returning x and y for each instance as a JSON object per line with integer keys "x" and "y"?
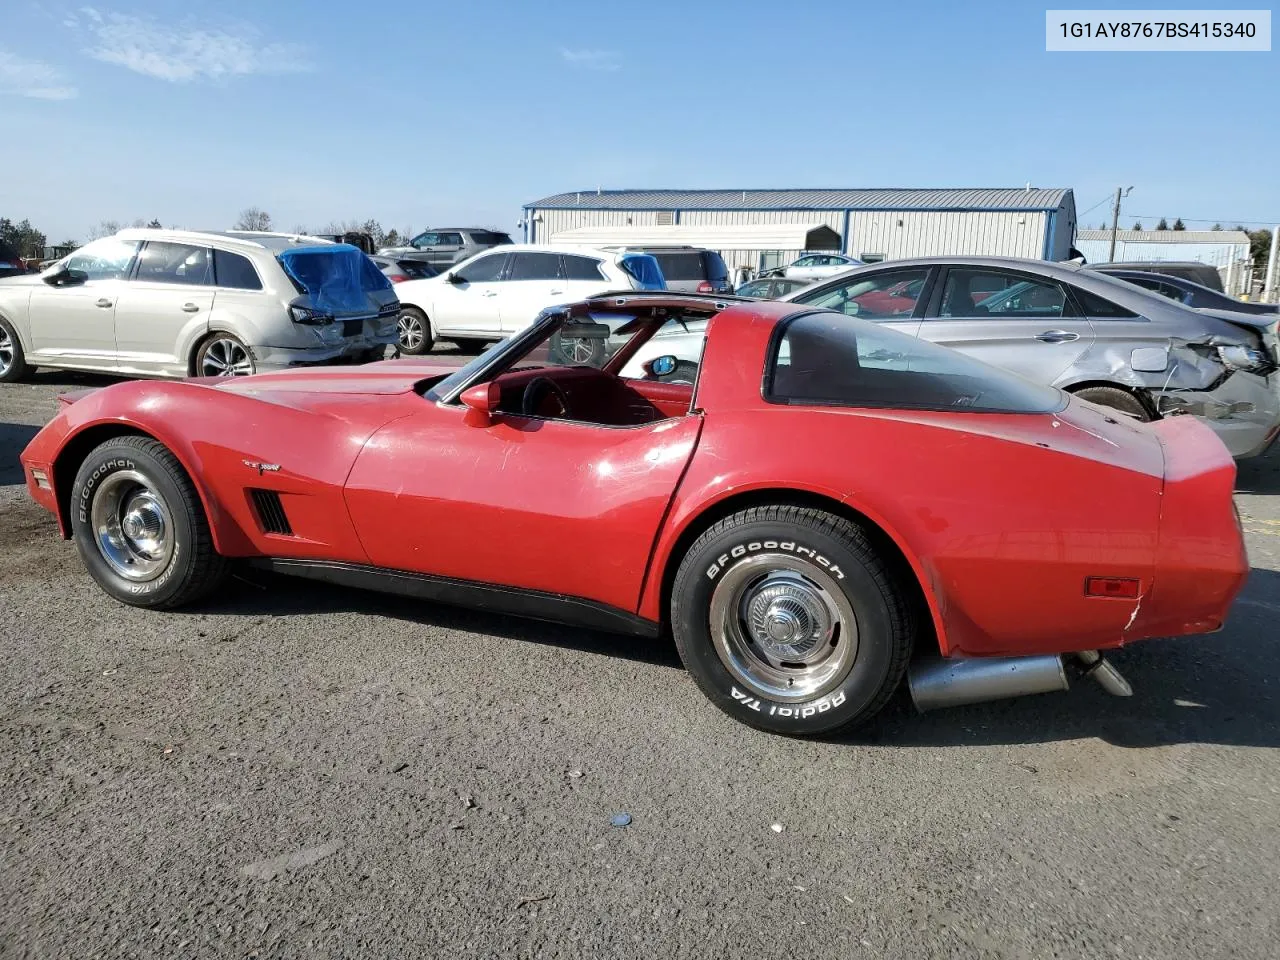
{"x": 102, "y": 463}
{"x": 861, "y": 688}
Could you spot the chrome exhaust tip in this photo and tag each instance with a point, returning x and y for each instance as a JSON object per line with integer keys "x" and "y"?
{"x": 936, "y": 683}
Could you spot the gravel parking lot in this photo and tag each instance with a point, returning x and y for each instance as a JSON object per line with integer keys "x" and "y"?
{"x": 301, "y": 771}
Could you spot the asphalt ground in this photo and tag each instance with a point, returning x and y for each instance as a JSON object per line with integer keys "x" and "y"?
{"x": 301, "y": 771}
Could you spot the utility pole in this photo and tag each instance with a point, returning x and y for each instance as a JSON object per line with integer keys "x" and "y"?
{"x": 1269, "y": 291}
{"x": 1115, "y": 220}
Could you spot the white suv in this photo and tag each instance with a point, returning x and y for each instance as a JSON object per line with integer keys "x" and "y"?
{"x": 174, "y": 303}
{"x": 501, "y": 291}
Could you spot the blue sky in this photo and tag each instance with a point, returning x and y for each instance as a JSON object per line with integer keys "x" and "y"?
{"x": 432, "y": 113}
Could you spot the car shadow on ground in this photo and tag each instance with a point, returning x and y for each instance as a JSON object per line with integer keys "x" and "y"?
{"x": 1259, "y": 474}
{"x": 13, "y": 439}
{"x": 257, "y": 593}
{"x": 1217, "y": 688}
{"x": 71, "y": 379}
{"x": 1220, "y": 688}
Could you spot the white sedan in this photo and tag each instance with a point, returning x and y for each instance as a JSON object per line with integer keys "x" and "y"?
{"x": 814, "y": 265}
{"x": 501, "y": 291}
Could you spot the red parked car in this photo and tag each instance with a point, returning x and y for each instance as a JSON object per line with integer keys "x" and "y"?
{"x": 831, "y": 502}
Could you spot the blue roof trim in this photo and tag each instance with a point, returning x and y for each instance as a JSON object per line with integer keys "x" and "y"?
{"x": 812, "y": 209}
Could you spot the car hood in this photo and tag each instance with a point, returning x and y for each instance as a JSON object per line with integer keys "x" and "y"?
{"x": 385, "y": 378}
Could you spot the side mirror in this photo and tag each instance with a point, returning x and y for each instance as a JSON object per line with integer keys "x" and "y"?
{"x": 64, "y": 277}
{"x": 482, "y": 403}
{"x": 454, "y": 278}
{"x": 662, "y": 366}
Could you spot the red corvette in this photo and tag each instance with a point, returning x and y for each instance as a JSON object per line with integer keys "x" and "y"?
{"x": 833, "y": 505}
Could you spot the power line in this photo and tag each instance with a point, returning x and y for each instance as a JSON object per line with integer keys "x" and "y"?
{"x": 1080, "y": 216}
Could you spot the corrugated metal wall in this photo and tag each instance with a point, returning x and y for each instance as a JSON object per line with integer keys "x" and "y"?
{"x": 924, "y": 234}
{"x": 832, "y": 218}
{"x": 921, "y": 234}
{"x": 554, "y": 221}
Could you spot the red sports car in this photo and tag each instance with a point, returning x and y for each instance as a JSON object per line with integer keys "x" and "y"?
{"x": 831, "y": 506}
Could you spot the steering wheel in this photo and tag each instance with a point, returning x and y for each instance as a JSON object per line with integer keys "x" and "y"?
{"x": 536, "y": 393}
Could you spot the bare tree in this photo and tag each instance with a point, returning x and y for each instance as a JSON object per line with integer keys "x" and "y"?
{"x": 104, "y": 229}
{"x": 253, "y": 218}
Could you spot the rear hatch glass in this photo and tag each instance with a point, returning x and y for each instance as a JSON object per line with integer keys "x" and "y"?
{"x": 339, "y": 279}
{"x": 682, "y": 266}
{"x": 489, "y": 237}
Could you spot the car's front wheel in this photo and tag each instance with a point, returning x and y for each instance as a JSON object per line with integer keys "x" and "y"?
{"x": 789, "y": 620}
{"x": 224, "y": 355}
{"x": 140, "y": 527}
{"x": 414, "y": 330}
{"x": 13, "y": 365}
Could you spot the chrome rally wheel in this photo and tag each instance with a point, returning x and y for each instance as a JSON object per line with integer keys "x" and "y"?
{"x": 133, "y": 526}
{"x": 783, "y": 628}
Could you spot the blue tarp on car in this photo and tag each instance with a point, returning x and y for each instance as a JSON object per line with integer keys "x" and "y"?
{"x": 337, "y": 277}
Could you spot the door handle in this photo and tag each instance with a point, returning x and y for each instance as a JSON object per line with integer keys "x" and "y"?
{"x": 1057, "y": 336}
{"x": 104, "y": 302}
{"x": 489, "y": 293}
{"x": 555, "y": 292}
{"x": 190, "y": 308}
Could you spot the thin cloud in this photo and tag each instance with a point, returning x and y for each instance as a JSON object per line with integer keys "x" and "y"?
{"x": 186, "y": 52}
{"x": 33, "y": 78}
{"x": 605, "y": 60}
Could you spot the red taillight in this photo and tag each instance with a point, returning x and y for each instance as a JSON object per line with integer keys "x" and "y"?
{"x": 706, "y": 287}
{"x": 1120, "y": 588}
{"x": 395, "y": 279}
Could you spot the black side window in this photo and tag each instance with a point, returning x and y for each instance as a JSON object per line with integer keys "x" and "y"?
{"x": 1096, "y": 306}
{"x": 180, "y": 263}
{"x": 233, "y": 270}
{"x": 451, "y": 239}
{"x": 423, "y": 240}
{"x": 534, "y": 266}
{"x": 975, "y": 293}
{"x": 482, "y": 269}
{"x": 581, "y": 268}
{"x": 889, "y": 295}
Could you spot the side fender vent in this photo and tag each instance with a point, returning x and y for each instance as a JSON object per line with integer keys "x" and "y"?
{"x": 271, "y": 512}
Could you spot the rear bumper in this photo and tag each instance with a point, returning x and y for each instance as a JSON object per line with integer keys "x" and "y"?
{"x": 1201, "y": 562}
{"x": 1244, "y": 411}
{"x": 348, "y": 349}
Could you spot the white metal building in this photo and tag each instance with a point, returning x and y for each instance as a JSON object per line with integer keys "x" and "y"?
{"x": 883, "y": 224}
{"x": 1216, "y": 247}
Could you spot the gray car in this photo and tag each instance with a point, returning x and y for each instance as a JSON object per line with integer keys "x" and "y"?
{"x": 1092, "y": 335}
{"x": 177, "y": 303}
{"x": 442, "y": 247}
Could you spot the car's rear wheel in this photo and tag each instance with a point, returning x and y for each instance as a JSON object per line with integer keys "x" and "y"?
{"x": 140, "y": 527}
{"x": 224, "y": 355}
{"x": 414, "y": 330}
{"x": 13, "y": 364}
{"x": 789, "y": 620}
{"x": 1117, "y": 399}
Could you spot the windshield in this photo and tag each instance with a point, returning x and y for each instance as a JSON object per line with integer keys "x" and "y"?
{"x": 337, "y": 278}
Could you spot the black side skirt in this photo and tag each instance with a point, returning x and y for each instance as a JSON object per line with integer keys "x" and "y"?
{"x": 534, "y": 604}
